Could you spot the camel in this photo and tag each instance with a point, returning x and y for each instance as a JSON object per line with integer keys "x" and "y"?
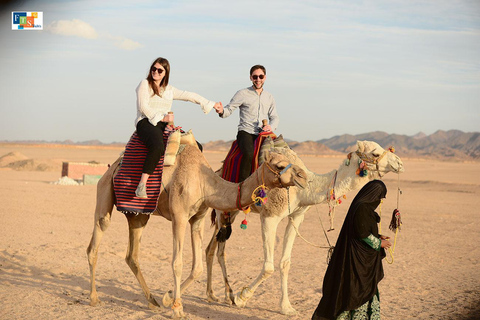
{"x": 191, "y": 188}
{"x": 294, "y": 203}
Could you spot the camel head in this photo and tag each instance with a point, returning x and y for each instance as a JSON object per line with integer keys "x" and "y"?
{"x": 378, "y": 160}
{"x": 283, "y": 172}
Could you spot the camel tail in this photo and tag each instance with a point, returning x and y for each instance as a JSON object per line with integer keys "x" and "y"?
{"x": 213, "y": 217}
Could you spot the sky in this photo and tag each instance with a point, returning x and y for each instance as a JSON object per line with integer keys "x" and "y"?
{"x": 333, "y": 67}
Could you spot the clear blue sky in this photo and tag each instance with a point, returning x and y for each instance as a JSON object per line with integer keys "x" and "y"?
{"x": 334, "y": 67}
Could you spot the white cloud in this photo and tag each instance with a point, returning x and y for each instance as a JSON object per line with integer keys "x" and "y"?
{"x": 79, "y": 28}
{"x": 124, "y": 43}
{"x": 75, "y": 27}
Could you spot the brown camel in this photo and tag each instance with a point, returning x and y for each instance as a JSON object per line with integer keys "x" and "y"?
{"x": 191, "y": 187}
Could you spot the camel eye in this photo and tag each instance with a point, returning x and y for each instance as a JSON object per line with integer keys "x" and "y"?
{"x": 375, "y": 153}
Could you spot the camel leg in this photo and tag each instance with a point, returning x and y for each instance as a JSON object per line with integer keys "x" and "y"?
{"x": 285, "y": 262}
{"x": 269, "y": 229}
{"x": 178, "y": 228}
{"x": 197, "y": 226}
{"x": 229, "y": 296}
{"x": 136, "y": 224}
{"x": 103, "y": 213}
{"x": 197, "y": 230}
{"x": 210, "y": 254}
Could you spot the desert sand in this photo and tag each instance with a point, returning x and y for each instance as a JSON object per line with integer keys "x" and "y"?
{"x": 46, "y": 228}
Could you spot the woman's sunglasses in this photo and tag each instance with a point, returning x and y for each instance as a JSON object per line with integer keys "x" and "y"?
{"x": 254, "y": 77}
{"x": 159, "y": 70}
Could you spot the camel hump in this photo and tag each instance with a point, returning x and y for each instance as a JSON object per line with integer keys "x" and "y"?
{"x": 175, "y": 145}
{"x": 268, "y": 144}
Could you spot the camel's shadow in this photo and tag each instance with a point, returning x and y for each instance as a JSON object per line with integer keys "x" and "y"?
{"x": 124, "y": 297}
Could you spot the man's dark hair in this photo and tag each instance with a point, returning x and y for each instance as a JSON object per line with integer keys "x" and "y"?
{"x": 257, "y": 66}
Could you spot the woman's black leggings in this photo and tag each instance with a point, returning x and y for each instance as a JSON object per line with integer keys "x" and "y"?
{"x": 152, "y": 136}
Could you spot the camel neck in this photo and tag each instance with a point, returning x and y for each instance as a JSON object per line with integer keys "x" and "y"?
{"x": 346, "y": 180}
{"x": 224, "y": 194}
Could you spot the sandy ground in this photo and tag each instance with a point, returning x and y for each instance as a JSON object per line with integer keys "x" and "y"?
{"x": 45, "y": 230}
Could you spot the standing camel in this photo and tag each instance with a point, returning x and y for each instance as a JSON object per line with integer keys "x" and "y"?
{"x": 191, "y": 187}
{"x": 294, "y": 203}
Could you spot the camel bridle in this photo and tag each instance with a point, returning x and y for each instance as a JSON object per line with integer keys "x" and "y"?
{"x": 278, "y": 173}
{"x": 371, "y": 160}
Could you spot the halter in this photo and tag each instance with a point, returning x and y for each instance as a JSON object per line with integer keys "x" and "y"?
{"x": 371, "y": 160}
{"x": 277, "y": 174}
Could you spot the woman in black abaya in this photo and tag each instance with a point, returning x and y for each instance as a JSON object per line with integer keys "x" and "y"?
{"x": 350, "y": 285}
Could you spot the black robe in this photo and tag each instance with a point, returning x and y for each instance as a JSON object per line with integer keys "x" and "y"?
{"x": 356, "y": 268}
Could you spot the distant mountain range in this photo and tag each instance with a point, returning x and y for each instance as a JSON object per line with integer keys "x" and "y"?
{"x": 445, "y": 145}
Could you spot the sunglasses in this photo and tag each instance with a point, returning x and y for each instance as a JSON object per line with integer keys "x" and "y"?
{"x": 159, "y": 70}
{"x": 254, "y": 77}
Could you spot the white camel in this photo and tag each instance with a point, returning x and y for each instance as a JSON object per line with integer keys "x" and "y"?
{"x": 294, "y": 203}
{"x": 191, "y": 188}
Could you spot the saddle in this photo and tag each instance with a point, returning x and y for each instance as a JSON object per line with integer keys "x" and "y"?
{"x": 264, "y": 142}
{"x": 126, "y": 180}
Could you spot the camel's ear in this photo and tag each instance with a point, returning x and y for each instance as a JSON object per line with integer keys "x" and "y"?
{"x": 268, "y": 156}
{"x": 360, "y": 146}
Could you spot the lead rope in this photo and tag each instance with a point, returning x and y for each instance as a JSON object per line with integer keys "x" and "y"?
{"x": 395, "y": 223}
{"x": 330, "y": 247}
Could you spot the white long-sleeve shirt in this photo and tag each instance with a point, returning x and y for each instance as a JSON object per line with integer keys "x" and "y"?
{"x": 155, "y": 108}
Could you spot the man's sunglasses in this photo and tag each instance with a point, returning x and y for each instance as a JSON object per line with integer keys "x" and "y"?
{"x": 254, "y": 77}
{"x": 159, "y": 70}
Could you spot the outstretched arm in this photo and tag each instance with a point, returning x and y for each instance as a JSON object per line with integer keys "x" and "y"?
{"x": 234, "y": 104}
{"x": 206, "y": 104}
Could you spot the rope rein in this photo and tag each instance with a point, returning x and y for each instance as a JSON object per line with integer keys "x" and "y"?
{"x": 330, "y": 247}
{"x": 331, "y": 200}
{"x": 391, "y": 250}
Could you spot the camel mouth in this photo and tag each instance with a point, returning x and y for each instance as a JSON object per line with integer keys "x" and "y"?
{"x": 398, "y": 169}
{"x": 299, "y": 184}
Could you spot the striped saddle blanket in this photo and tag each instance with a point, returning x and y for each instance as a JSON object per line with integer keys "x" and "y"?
{"x": 126, "y": 181}
{"x": 231, "y": 165}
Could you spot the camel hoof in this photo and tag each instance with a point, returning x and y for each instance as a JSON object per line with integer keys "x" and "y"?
{"x": 167, "y": 300}
{"x": 212, "y": 297}
{"x": 178, "y": 314}
{"x": 153, "y": 305}
{"x": 95, "y": 302}
{"x": 240, "y": 299}
{"x": 289, "y": 312}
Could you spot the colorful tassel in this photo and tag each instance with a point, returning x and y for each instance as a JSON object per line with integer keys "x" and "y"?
{"x": 244, "y": 224}
{"x": 396, "y": 221}
{"x": 259, "y": 196}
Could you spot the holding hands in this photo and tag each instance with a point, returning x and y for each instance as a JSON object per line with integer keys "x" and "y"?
{"x": 218, "y": 107}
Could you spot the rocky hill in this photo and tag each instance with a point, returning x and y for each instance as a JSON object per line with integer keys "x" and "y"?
{"x": 452, "y": 145}
{"x": 445, "y": 145}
